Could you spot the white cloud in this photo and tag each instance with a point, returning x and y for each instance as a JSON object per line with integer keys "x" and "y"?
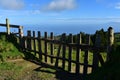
{"x": 117, "y": 6}
{"x": 60, "y": 5}
{"x": 11, "y": 4}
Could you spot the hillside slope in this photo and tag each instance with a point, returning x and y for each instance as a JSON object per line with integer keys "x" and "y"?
{"x": 8, "y": 48}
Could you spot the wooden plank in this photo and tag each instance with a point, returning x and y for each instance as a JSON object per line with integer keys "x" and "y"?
{"x": 95, "y": 53}
{"x": 23, "y": 44}
{"x": 58, "y": 55}
{"x": 29, "y": 40}
{"x": 63, "y": 51}
{"x": 51, "y": 46}
{"x": 7, "y": 27}
{"x": 39, "y": 46}
{"x": 45, "y": 46}
{"x": 34, "y": 43}
{"x": 70, "y": 53}
{"x": 86, "y": 57}
{"x": 101, "y": 60}
{"x": 11, "y": 25}
{"x": 78, "y": 54}
{"x": 110, "y": 43}
{"x": 58, "y": 58}
{"x": 20, "y": 31}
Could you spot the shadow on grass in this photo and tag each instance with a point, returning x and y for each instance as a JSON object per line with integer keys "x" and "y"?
{"x": 59, "y": 73}
{"x": 50, "y": 69}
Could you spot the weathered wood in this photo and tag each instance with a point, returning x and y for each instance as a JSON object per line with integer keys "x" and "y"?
{"x": 58, "y": 55}
{"x": 24, "y": 45}
{"x": 20, "y": 31}
{"x": 78, "y": 51}
{"x": 20, "y": 36}
{"x": 8, "y": 27}
{"x": 96, "y": 52}
{"x": 110, "y": 42}
{"x": 39, "y": 46}
{"x": 45, "y": 46}
{"x": 63, "y": 50}
{"x": 70, "y": 53}
{"x": 29, "y": 40}
{"x": 51, "y": 46}
{"x": 34, "y": 43}
{"x": 62, "y": 44}
{"x": 11, "y": 25}
{"x": 101, "y": 60}
{"x": 86, "y": 57}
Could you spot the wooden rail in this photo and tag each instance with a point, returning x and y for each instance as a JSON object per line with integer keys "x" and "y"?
{"x": 8, "y": 26}
{"x": 62, "y": 54}
{"x": 72, "y": 57}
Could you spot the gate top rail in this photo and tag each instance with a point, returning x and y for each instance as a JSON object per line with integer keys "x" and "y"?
{"x": 11, "y": 25}
{"x": 8, "y": 26}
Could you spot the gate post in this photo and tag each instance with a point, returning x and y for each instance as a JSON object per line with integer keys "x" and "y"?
{"x": 96, "y": 52}
{"x": 110, "y": 42}
{"x": 7, "y": 27}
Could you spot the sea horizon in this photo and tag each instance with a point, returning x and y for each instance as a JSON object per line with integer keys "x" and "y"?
{"x": 58, "y": 29}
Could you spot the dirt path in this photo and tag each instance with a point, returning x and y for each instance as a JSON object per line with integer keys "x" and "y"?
{"x": 27, "y": 71}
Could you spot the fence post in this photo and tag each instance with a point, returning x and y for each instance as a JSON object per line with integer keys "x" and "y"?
{"x": 21, "y": 36}
{"x": 8, "y": 27}
{"x": 78, "y": 54}
{"x": 20, "y": 31}
{"x": 110, "y": 42}
{"x": 70, "y": 52}
{"x": 34, "y": 42}
{"x": 29, "y": 40}
{"x": 86, "y": 56}
{"x": 96, "y": 52}
{"x": 64, "y": 50}
{"x": 39, "y": 46}
{"x": 45, "y": 46}
{"x": 52, "y": 46}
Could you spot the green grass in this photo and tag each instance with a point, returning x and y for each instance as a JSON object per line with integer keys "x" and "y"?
{"x": 9, "y": 71}
{"x": 7, "y": 49}
{"x": 25, "y": 70}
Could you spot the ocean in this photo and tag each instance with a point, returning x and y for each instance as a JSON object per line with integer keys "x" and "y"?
{"x": 60, "y": 28}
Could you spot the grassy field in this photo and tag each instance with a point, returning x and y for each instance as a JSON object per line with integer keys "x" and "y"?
{"x": 13, "y": 67}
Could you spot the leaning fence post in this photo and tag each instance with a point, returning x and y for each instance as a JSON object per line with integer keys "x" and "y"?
{"x": 110, "y": 42}
{"x": 8, "y": 26}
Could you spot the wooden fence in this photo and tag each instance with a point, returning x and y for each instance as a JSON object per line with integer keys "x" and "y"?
{"x": 8, "y": 26}
{"x": 72, "y": 57}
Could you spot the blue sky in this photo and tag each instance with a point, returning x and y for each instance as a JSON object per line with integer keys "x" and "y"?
{"x": 59, "y": 11}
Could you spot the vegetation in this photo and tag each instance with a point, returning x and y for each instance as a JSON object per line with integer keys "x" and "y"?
{"x": 111, "y": 70}
{"x": 16, "y": 70}
{"x": 8, "y": 49}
